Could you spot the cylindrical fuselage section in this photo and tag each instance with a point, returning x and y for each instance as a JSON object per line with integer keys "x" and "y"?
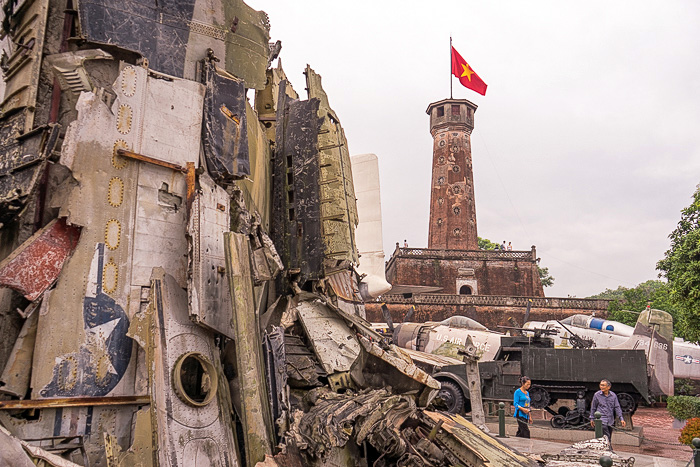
{"x": 452, "y": 206}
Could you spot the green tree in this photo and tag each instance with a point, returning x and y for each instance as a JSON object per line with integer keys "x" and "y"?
{"x": 486, "y": 244}
{"x": 545, "y": 278}
{"x": 654, "y": 293}
{"x": 609, "y": 294}
{"x": 681, "y": 267}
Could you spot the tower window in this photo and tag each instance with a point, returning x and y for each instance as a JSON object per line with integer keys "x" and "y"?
{"x": 441, "y": 111}
{"x": 440, "y": 180}
{"x": 457, "y": 210}
{"x": 455, "y": 110}
{"x": 457, "y": 232}
{"x": 455, "y": 168}
{"x": 465, "y": 290}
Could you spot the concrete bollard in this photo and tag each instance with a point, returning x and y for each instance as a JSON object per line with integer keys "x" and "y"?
{"x": 598, "y": 423}
{"x": 605, "y": 461}
{"x": 501, "y": 420}
{"x": 696, "y": 451}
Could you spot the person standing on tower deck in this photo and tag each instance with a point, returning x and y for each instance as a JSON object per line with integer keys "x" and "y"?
{"x": 405, "y": 243}
{"x": 510, "y": 247}
{"x": 605, "y": 401}
{"x": 503, "y": 246}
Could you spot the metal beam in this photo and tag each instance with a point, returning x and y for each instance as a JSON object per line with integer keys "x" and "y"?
{"x": 150, "y": 160}
{"x": 74, "y": 402}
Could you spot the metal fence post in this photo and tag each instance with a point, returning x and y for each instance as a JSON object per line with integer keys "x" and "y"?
{"x": 696, "y": 451}
{"x": 605, "y": 461}
{"x": 501, "y": 420}
{"x": 598, "y": 425}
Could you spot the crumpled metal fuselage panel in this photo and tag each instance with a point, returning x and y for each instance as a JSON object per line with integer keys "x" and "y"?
{"x": 224, "y": 130}
{"x": 296, "y": 207}
{"x": 314, "y": 208}
{"x": 471, "y": 445}
{"x": 22, "y": 156}
{"x": 209, "y": 294}
{"x": 338, "y": 204}
{"x": 24, "y": 62}
{"x": 256, "y": 189}
{"x": 35, "y": 265}
{"x": 133, "y": 216}
{"x": 174, "y": 35}
{"x": 332, "y": 339}
{"x": 190, "y": 429}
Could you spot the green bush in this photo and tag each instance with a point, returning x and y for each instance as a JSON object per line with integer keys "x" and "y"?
{"x": 684, "y": 407}
{"x": 690, "y": 430}
{"x": 684, "y": 387}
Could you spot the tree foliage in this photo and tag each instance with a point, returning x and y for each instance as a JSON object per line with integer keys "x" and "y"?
{"x": 681, "y": 267}
{"x": 486, "y": 244}
{"x": 546, "y": 279}
{"x": 654, "y": 293}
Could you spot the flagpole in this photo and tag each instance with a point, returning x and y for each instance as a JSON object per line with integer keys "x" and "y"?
{"x": 450, "y": 67}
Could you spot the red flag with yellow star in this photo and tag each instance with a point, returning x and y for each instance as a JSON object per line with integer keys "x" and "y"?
{"x": 466, "y": 75}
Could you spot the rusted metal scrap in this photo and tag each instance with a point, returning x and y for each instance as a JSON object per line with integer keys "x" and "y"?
{"x": 390, "y": 429}
{"x": 19, "y": 453}
{"x": 172, "y": 36}
{"x": 225, "y": 136}
{"x": 35, "y": 265}
{"x": 187, "y": 261}
{"x": 15, "y": 378}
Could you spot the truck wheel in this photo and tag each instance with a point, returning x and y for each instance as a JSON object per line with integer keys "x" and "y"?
{"x": 627, "y": 402}
{"x": 558, "y": 421}
{"x": 452, "y": 395}
{"x": 539, "y": 397}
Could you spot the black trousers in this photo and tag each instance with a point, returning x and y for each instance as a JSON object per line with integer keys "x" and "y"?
{"x": 523, "y": 428}
{"x": 607, "y": 432}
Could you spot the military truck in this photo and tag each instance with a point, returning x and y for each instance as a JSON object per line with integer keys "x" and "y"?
{"x": 570, "y": 374}
{"x": 639, "y": 368}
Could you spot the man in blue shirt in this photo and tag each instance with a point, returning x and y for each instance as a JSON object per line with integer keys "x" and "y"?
{"x": 605, "y": 401}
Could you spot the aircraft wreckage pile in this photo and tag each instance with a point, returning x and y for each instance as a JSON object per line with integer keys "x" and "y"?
{"x": 180, "y": 271}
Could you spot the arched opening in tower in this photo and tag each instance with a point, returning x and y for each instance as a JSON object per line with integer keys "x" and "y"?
{"x": 465, "y": 290}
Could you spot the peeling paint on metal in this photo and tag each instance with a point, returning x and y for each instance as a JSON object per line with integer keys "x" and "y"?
{"x": 35, "y": 265}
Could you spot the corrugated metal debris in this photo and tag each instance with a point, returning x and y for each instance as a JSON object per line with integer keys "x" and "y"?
{"x": 181, "y": 276}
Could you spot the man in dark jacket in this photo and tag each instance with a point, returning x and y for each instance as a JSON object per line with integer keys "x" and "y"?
{"x": 605, "y": 401}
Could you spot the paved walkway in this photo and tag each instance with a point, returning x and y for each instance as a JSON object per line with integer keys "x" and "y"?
{"x": 536, "y": 446}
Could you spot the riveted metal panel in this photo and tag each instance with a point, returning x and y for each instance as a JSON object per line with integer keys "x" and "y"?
{"x": 296, "y": 194}
{"x": 224, "y": 131}
{"x": 209, "y": 295}
{"x": 174, "y": 35}
{"x": 338, "y": 204}
{"x": 27, "y": 34}
{"x": 182, "y": 427}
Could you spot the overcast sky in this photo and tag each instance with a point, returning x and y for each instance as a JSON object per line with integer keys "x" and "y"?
{"x": 587, "y": 143}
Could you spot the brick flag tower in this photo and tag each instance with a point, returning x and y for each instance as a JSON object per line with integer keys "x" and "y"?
{"x": 452, "y": 206}
{"x": 453, "y": 276}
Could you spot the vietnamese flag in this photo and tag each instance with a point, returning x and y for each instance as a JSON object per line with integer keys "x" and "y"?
{"x": 466, "y": 75}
